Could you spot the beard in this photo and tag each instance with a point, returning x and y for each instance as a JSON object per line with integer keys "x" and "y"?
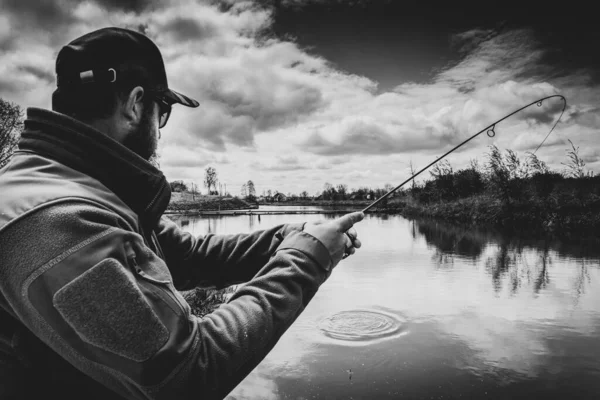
{"x": 143, "y": 141}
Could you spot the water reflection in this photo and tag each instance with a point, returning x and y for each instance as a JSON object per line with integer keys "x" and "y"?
{"x": 484, "y": 315}
{"x": 515, "y": 261}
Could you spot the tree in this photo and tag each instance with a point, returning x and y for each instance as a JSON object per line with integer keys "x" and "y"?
{"x": 210, "y": 178}
{"x": 342, "y": 191}
{"x": 11, "y": 124}
{"x": 193, "y": 188}
{"x": 328, "y": 191}
{"x": 412, "y": 173}
{"x": 178, "y": 186}
{"x": 387, "y": 187}
{"x": 244, "y": 190}
{"x": 251, "y": 190}
{"x": 304, "y": 195}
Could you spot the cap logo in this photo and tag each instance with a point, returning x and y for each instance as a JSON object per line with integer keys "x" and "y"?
{"x": 86, "y": 76}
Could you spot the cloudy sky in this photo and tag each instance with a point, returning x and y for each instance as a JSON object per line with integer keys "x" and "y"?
{"x": 297, "y": 93}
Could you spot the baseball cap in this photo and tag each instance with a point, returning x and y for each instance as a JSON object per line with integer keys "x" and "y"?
{"x": 116, "y": 55}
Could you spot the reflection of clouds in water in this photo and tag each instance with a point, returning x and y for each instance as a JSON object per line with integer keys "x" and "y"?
{"x": 259, "y": 384}
{"x": 507, "y": 328}
{"x": 500, "y": 343}
{"x": 518, "y": 314}
{"x": 290, "y": 359}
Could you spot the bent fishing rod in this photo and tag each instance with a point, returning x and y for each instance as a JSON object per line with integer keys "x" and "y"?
{"x": 490, "y": 129}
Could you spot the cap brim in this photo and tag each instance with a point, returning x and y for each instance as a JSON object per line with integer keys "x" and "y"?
{"x": 176, "y": 97}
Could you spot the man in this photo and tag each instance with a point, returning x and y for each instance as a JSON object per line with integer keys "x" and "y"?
{"x": 89, "y": 268}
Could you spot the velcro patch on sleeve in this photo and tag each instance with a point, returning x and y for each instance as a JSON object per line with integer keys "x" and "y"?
{"x": 107, "y": 309}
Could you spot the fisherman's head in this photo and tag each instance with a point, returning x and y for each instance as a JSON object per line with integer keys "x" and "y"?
{"x": 114, "y": 79}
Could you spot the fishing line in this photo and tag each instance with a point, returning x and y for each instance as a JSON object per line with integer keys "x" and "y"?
{"x": 491, "y": 132}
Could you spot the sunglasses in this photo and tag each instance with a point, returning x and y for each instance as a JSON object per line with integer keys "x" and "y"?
{"x": 164, "y": 109}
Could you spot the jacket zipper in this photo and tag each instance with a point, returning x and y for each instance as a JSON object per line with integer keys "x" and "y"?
{"x": 160, "y": 189}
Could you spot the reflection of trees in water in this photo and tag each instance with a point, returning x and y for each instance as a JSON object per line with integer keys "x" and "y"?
{"x": 450, "y": 240}
{"x": 510, "y": 254}
{"x": 499, "y": 265}
{"x": 582, "y": 279}
{"x": 543, "y": 277}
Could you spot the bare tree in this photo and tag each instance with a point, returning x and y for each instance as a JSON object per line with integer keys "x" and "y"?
{"x": 11, "y": 124}
{"x": 210, "y": 178}
{"x": 251, "y": 189}
{"x": 342, "y": 191}
{"x": 412, "y": 173}
{"x": 193, "y": 187}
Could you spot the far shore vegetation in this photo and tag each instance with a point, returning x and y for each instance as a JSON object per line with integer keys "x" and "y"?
{"x": 503, "y": 191}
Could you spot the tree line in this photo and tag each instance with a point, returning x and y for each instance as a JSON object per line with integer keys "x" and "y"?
{"x": 503, "y": 175}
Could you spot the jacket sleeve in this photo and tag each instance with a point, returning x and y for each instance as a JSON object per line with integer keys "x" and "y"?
{"x": 107, "y": 304}
{"x": 217, "y": 260}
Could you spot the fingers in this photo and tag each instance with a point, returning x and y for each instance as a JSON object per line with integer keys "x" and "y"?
{"x": 352, "y": 233}
{"x": 349, "y": 252}
{"x": 353, "y": 236}
{"x": 349, "y": 241}
{"x": 347, "y": 221}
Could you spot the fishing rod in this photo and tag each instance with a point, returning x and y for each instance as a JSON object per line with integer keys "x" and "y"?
{"x": 490, "y": 129}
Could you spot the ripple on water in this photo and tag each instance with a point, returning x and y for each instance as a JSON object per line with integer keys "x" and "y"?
{"x": 361, "y": 325}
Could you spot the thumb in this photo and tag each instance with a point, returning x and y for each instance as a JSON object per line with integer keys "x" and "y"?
{"x": 347, "y": 221}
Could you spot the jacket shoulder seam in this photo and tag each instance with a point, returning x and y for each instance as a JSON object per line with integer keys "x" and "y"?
{"x": 59, "y": 201}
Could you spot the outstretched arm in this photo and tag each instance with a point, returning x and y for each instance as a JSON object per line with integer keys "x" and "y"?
{"x": 218, "y": 260}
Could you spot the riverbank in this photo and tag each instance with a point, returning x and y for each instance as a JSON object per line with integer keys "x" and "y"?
{"x": 571, "y": 217}
{"x": 320, "y": 203}
{"x": 567, "y": 219}
{"x": 567, "y": 216}
{"x": 187, "y": 203}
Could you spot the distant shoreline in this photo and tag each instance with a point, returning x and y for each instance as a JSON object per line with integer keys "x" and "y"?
{"x": 480, "y": 210}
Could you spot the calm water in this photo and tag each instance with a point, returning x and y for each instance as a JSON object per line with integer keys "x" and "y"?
{"x": 434, "y": 311}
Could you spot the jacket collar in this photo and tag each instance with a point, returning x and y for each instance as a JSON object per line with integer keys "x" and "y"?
{"x": 138, "y": 183}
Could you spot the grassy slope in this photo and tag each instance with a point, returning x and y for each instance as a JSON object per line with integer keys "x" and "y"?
{"x": 185, "y": 202}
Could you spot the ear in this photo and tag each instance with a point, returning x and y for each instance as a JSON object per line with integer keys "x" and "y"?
{"x": 133, "y": 106}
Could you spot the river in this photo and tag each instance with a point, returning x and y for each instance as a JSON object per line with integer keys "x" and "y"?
{"x": 426, "y": 310}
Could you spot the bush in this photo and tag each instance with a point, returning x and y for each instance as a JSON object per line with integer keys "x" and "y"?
{"x": 468, "y": 182}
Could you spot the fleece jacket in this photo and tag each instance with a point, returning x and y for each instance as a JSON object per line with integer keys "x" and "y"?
{"x": 90, "y": 274}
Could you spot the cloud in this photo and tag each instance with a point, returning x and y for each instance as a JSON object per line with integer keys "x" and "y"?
{"x": 368, "y": 137}
{"x": 280, "y": 164}
{"x": 46, "y": 14}
{"x": 304, "y": 3}
{"x": 466, "y": 42}
{"x": 265, "y": 96}
{"x": 127, "y": 5}
{"x": 185, "y": 28}
{"x": 461, "y": 100}
{"x": 177, "y": 157}
{"x": 43, "y": 74}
